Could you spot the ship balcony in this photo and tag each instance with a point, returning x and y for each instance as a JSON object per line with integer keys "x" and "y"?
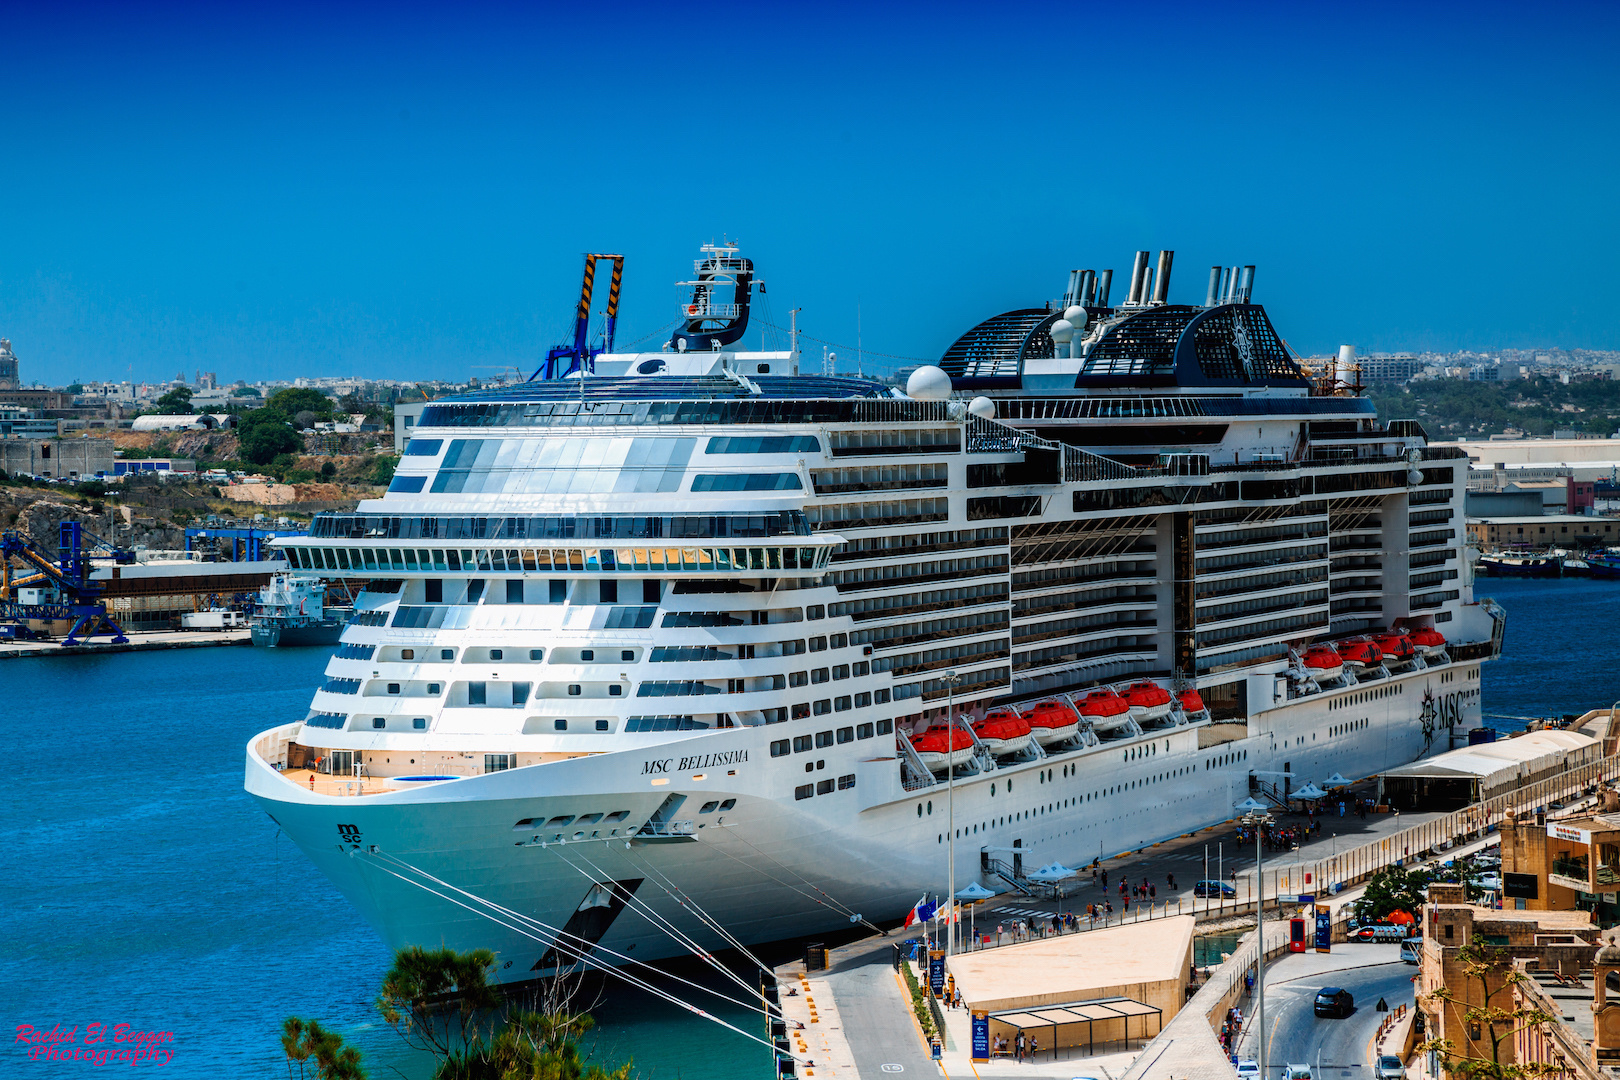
{"x": 1291, "y": 538}
{"x": 1354, "y": 564}
{"x": 1304, "y": 610}
{"x": 1357, "y": 586}
{"x": 1036, "y": 588}
{"x": 1102, "y": 604}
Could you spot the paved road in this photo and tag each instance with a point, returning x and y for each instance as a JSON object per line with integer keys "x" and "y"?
{"x": 877, "y": 1018}
{"x": 1295, "y": 1034}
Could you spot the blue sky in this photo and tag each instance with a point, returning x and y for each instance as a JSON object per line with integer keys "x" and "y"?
{"x": 405, "y": 192}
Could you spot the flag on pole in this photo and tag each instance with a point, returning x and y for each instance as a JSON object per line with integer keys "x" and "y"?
{"x": 922, "y": 912}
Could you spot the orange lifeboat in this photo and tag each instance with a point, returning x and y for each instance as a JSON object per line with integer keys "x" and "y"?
{"x": 1003, "y": 731}
{"x": 1396, "y": 646}
{"x": 1359, "y": 652}
{"x": 1105, "y": 709}
{"x": 1192, "y": 702}
{"x": 1429, "y": 640}
{"x": 941, "y": 749}
{"x": 1148, "y": 700}
{"x": 1052, "y": 722}
{"x": 1323, "y": 662}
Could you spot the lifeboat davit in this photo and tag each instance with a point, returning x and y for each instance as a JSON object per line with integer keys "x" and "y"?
{"x": 1192, "y": 702}
{"x": 1396, "y": 646}
{"x": 1148, "y": 700}
{"x": 1052, "y": 722}
{"x": 939, "y": 751}
{"x": 1003, "y": 731}
{"x": 1323, "y": 662}
{"x": 1359, "y": 652}
{"x": 1105, "y": 709}
{"x": 1429, "y": 641}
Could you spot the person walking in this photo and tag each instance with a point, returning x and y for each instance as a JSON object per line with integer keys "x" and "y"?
{"x": 1019, "y": 1044}
{"x": 1341, "y": 808}
{"x": 1170, "y": 880}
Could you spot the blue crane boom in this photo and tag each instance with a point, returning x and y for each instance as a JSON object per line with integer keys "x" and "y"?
{"x": 578, "y": 351}
{"x": 69, "y": 575}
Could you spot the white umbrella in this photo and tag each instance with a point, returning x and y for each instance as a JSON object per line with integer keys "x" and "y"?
{"x": 974, "y": 891}
{"x": 1309, "y": 791}
{"x": 1052, "y": 872}
{"x": 1338, "y": 781}
{"x": 1250, "y": 806}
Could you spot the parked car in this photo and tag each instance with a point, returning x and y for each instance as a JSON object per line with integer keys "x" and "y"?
{"x": 1248, "y": 1070}
{"x": 1334, "y": 1002}
{"x": 1412, "y": 950}
{"x": 1389, "y": 1067}
{"x": 1296, "y": 1072}
{"x": 1212, "y": 888}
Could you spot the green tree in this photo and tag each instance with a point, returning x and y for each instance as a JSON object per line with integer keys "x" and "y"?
{"x": 328, "y": 470}
{"x": 176, "y": 402}
{"x": 263, "y": 434}
{"x": 75, "y": 388}
{"x": 383, "y": 471}
{"x": 1394, "y": 888}
{"x": 297, "y": 399}
{"x": 1497, "y": 1019}
{"x": 307, "y": 1045}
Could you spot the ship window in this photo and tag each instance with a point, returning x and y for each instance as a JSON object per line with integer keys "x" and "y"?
{"x": 560, "y": 724}
{"x": 627, "y": 655}
{"x": 824, "y": 738}
{"x": 825, "y": 787}
{"x": 862, "y": 700}
{"x": 537, "y": 654}
{"x": 433, "y": 688}
{"x": 475, "y": 590}
{"x": 710, "y": 807}
{"x": 818, "y": 644}
{"x": 587, "y": 654}
{"x": 475, "y": 693}
{"x": 885, "y": 727}
{"x": 822, "y": 707}
{"x": 602, "y": 725}
{"x": 573, "y": 690}
{"x": 608, "y": 591}
{"x": 801, "y": 743}
{"x": 840, "y": 641}
{"x": 846, "y": 734}
{"x": 780, "y": 748}
{"x": 514, "y": 590}
{"x": 727, "y": 804}
{"x": 499, "y": 762}
{"x": 559, "y": 591}
{"x": 615, "y": 690}
{"x": 497, "y": 654}
{"x": 841, "y": 704}
{"x": 798, "y": 678}
{"x": 819, "y": 675}
{"x": 419, "y": 723}
{"x": 433, "y": 590}
{"x": 393, "y": 688}
{"x": 801, "y": 710}
{"x": 840, "y": 671}
{"x": 617, "y": 815}
{"x": 447, "y": 654}
{"x": 560, "y": 820}
{"x": 804, "y": 791}
{"x": 407, "y": 654}
{"x": 863, "y": 731}
{"x": 816, "y": 611}
{"x": 880, "y": 696}
{"x": 862, "y": 668}
{"x": 378, "y": 722}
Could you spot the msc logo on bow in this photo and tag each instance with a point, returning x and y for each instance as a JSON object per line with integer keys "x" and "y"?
{"x": 350, "y": 834}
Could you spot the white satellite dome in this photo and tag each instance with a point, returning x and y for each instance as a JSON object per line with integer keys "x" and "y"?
{"x": 928, "y": 383}
{"x": 983, "y": 408}
{"x": 1062, "y": 331}
{"x": 1076, "y": 315}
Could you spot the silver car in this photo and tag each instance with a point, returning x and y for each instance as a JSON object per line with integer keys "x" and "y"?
{"x": 1389, "y": 1067}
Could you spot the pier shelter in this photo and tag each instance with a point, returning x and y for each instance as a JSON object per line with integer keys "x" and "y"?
{"x": 1470, "y": 774}
{"x": 1103, "y": 987}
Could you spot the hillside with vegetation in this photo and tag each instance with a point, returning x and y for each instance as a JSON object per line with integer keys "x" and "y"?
{"x": 1463, "y": 409}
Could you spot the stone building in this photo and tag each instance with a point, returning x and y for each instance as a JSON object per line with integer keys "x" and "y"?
{"x": 1565, "y": 864}
{"x": 82, "y": 457}
{"x": 1582, "y": 1041}
{"x": 1557, "y": 941}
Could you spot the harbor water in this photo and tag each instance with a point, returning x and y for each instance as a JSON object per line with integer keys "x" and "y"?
{"x": 147, "y": 889}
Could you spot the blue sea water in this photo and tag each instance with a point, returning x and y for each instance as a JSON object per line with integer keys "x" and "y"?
{"x": 145, "y": 888}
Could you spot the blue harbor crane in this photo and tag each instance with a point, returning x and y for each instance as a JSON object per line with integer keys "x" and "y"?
{"x": 57, "y": 588}
{"x": 578, "y": 353}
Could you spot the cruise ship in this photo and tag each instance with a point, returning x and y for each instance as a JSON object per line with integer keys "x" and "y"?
{"x": 665, "y": 652}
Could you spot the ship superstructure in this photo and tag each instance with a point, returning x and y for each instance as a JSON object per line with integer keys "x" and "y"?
{"x": 688, "y": 624}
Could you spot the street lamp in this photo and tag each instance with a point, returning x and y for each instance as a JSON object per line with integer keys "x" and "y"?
{"x": 950, "y": 679}
{"x": 1256, "y": 817}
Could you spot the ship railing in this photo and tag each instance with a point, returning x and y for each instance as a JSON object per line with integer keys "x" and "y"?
{"x": 921, "y": 775}
{"x": 1082, "y": 467}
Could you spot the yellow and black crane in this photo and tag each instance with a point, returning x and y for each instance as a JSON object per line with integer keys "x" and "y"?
{"x": 578, "y": 352}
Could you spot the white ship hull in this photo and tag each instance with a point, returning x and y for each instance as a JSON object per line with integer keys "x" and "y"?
{"x": 761, "y": 868}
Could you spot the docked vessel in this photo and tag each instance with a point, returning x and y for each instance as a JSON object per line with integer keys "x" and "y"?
{"x": 683, "y": 629}
{"x": 292, "y": 611}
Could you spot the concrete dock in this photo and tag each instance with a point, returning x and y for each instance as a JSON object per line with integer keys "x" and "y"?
{"x": 139, "y": 641}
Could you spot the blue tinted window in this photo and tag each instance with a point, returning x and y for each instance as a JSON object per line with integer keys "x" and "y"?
{"x": 423, "y": 447}
{"x": 764, "y": 444}
{"x": 408, "y": 484}
{"x": 746, "y": 482}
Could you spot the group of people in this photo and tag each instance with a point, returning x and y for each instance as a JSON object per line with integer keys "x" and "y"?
{"x": 1022, "y": 1046}
{"x": 1231, "y": 1028}
{"x": 1282, "y": 837}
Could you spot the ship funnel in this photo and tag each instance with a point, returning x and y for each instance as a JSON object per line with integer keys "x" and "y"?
{"x": 1245, "y": 287}
{"x": 1161, "y": 285}
{"x": 1105, "y": 283}
{"x": 1071, "y": 297}
{"x": 1213, "y": 295}
{"x": 1139, "y": 272}
{"x": 1088, "y": 287}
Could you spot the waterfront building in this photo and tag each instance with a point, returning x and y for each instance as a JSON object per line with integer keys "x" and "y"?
{"x": 1564, "y": 864}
